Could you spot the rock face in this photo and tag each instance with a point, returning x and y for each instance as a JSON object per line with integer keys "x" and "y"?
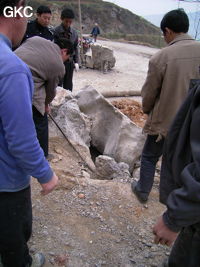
{"x": 75, "y": 125}
{"x": 112, "y": 133}
{"x": 100, "y": 58}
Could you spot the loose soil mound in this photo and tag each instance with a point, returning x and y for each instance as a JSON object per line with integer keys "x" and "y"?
{"x": 131, "y": 109}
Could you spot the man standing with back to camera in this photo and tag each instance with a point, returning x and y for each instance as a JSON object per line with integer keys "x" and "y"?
{"x": 65, "y": 30}
{"x": 165, "y": 88}
{"x": 20, "y": 152}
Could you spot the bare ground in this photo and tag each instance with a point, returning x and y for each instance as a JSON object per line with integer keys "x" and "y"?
{"x": 96, "y": 223}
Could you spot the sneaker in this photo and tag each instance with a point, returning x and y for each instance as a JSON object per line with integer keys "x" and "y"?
{"x": 142, "y": 197}
{"x": 38, "y": 260}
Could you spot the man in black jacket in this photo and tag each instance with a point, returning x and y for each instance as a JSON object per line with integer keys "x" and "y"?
{"x": 65, "y": 30}
{"x": 39, "y": 26}
{"x": 180, "y": 185}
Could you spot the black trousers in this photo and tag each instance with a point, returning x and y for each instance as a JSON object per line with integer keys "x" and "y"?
{"x": 42, "y": 129}
{"x": 186, "y": 249}
{"x": 15, "y": 228}
{"x": 67, "y": 80}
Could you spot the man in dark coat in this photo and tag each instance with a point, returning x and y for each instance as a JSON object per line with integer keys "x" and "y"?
{"x": 65, "y": 30}
{"x": 40, "y": 26}
{"x": 180, "y": 185}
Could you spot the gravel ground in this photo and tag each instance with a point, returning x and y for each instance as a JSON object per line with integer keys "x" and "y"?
{"x": 97, "y": 223}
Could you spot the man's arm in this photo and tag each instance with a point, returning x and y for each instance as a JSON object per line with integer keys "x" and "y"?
{"x": 183, "y": 204}
{"x": 76, "y": 50}
{"x": 17, "y": 122}
{"x": 152, "y": 87}
{"x": 50, "y": 88}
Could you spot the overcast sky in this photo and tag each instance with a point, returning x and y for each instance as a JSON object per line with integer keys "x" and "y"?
{"x": 151, "y": 7}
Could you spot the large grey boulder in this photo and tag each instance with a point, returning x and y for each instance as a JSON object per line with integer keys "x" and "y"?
{"x": 75, "y": 124}
{"x": 112, "y": 133}
{"x": 100, "y": 58}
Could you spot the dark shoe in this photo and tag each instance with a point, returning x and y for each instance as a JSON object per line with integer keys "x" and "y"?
{"x": 38, "y": 260}
{"x": 142, "y": 197}
{"x": 50, "y": 157}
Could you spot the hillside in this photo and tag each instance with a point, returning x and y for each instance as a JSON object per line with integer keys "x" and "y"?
{"x": 114, "y": 21}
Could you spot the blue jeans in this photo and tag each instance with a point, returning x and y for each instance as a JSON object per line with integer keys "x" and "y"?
{"x": 150, "y": 155}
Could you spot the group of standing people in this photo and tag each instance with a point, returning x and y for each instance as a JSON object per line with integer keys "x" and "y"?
{"x": 23, "y": 122}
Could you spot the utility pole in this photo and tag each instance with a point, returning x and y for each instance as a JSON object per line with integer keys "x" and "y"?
{"x": 81, "y": 33}
{"x": 197, "y": 30}
{"x": 80, "y": 17}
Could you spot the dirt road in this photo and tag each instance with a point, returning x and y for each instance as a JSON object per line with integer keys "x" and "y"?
{"x": 129, "y": 72}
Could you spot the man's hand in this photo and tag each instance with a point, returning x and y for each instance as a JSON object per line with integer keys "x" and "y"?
{"x": 47, "y": 109}
{"x": 163, "y": 234}
{"x": 48, "y": 187}
{"x": 76, "y": 67}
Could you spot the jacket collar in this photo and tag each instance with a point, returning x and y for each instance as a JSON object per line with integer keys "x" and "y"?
{"x": 181, "y": 37}
{"x": 39, "y": 26}
{"x": 64, "y": 29}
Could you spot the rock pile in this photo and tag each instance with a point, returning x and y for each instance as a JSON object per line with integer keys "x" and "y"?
{"x": 88, "y": 119}
{"x": 100, "y": 58}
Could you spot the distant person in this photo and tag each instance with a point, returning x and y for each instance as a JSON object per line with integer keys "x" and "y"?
{"x": 95, "y": 32}
{"x": 20, "y": 154}
{"x": 40, "y": 26}
{"x": 164, "y": 90}
{"x": 65, "y": 30}
{"x": 45, "y": 60}
{"x": 180, "y": 185}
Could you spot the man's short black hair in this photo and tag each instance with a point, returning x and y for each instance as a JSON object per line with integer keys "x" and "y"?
{"x": 176, "y": 20}
{"x": 64, "y": 43}
{"x": 11, "y": 3}
{"x": 43, "y": 9}
{"x": 67, "y": 13}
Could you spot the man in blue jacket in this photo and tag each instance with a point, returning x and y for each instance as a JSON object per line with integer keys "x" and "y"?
{"x": 95, "y": 32}
{"x": 20, "y": 152}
